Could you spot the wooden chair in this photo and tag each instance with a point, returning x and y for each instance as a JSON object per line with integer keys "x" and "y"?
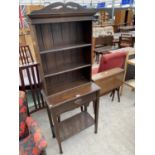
{"x": 110, "y": 73}
{"x": 102, "y": 45}
{"x": 126, "y": 40}
{"x": 29, "y": 77}
{"x": 25, "y": 55}
{"x": 130, "y": 72}
{"x": 129, "y": 76}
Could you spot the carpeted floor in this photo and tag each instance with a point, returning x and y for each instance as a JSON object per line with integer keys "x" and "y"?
{"x": 116, "y": 130}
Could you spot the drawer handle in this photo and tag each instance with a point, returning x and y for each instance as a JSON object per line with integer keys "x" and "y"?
{"x": 78, "y": 101}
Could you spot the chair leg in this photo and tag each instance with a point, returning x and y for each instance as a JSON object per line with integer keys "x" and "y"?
{"x": 113, "y": 95}
{"x": 118, "y": 94}
{"x": 97, "y": 58}
{"x": 121, "y": 90}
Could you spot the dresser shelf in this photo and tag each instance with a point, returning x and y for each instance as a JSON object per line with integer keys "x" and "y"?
{"x": 66, "y": 68}
{"x": 65, "y": 47}
{"x": 75, "y": 124}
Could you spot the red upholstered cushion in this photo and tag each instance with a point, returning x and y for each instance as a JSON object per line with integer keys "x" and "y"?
{"x": 34, "y": 129}
{"x": 23, "y": 129}
{"x": 112, "y": 60}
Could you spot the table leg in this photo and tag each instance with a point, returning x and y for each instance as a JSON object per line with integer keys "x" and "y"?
{"x": 96, "y": 106}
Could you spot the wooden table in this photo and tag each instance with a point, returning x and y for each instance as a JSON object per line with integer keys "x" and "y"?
{"x": 109, "y": 80}
{"x": 68, "y": 100}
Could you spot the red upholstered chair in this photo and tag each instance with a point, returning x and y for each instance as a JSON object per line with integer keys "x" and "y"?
{"x": 31, "y": 141}
{"x": 110, "y": 61}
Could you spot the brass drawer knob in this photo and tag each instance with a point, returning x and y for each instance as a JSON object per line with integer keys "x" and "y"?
{"x": 78, "y": 101}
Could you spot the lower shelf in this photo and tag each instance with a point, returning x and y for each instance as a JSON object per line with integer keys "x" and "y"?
{"x": 75, "y": 124}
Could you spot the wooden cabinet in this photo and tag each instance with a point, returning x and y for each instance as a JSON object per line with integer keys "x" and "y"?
{"x": 123, "y": 17}
{"x": 63, "y": 40}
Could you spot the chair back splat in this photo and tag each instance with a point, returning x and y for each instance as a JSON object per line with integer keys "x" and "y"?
{"x": 25, "y": 55}
{"x": 30, "y": 80}
{"x": 112, "y": 60}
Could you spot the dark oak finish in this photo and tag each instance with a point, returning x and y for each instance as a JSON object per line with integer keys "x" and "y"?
{"x": 63, "y": 45}
{"x": 72, "y": 94}
{"x": 63, "y": 36}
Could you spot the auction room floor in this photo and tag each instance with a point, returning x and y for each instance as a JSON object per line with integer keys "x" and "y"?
{"x": 116, "y": 130}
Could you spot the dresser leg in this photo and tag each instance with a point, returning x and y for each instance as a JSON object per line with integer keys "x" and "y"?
{"x": 96, "y": 112}
{"x": 81, "y": 108}
{"x": 51, "y": 123}
{"x": 60, "y": 148}
{"x": 86, "y": 106}
{"x": 59, "y": 119}
{"x": 56, "y": 128}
